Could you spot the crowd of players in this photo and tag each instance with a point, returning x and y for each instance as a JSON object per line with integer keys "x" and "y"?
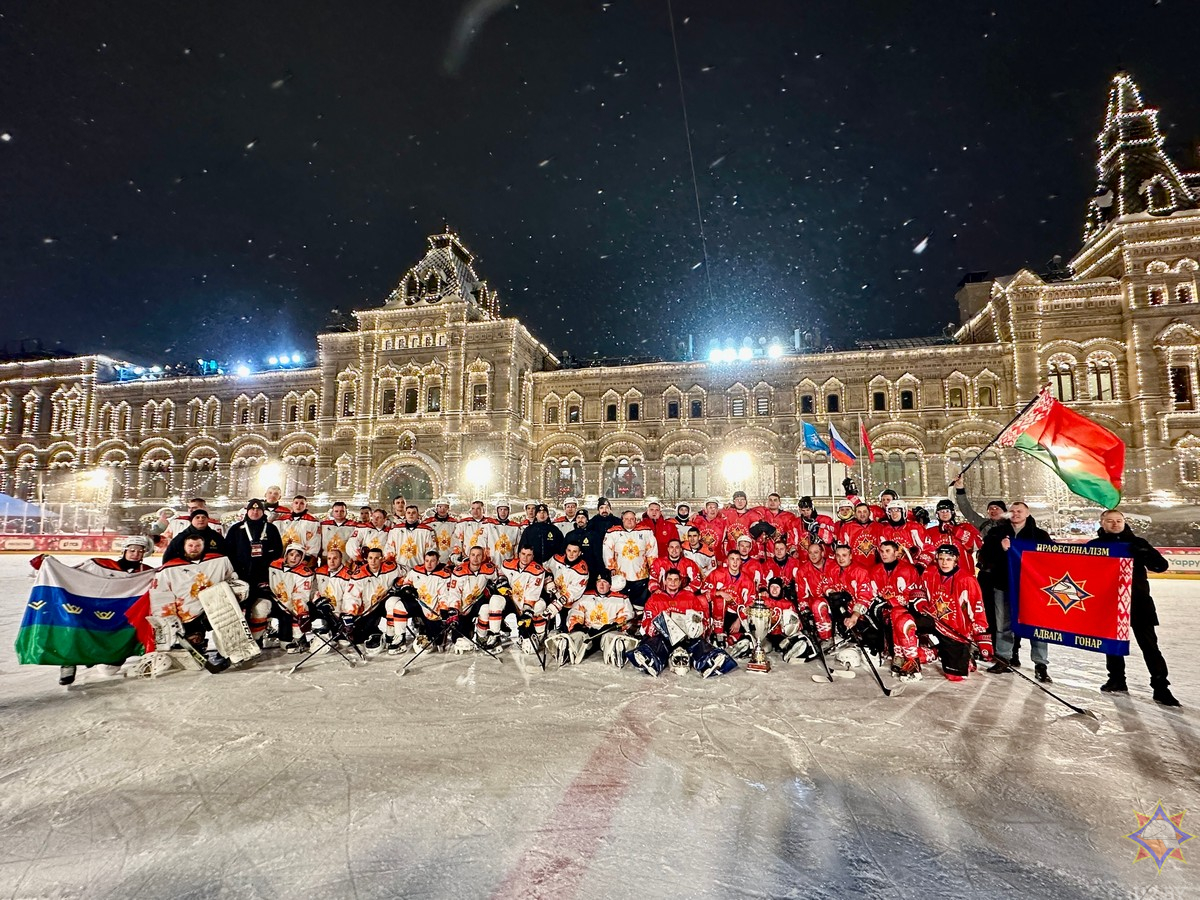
{"x": 642, "y": 589}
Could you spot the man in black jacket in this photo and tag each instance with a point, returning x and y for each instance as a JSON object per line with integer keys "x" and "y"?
{"x": 542, "y": 536}
{"x": 993, "y": 558}
{"x": 252, "y": 545}
{"x": 590, "y": 543}
{"x": 197, "y": 527}
{"x": 603, "y": 520}
{"x": 1143, "y": 617}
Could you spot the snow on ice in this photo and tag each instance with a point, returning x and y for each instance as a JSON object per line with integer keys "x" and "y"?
{"x": 476, "y": 778}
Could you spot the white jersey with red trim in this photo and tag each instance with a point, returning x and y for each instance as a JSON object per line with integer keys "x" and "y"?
{"x": 433, "y": 587}
{"x": 594, "y": 610}
{"x": 366, "y": 537}
{"x": 335, "y": 535}
{"x": 443, "y": 531}
{"x": 526, "y": 582}
{"x": 569, "y": 579}
{"x": 175, "y": 590}
{"x": 293, "y": 587}
{"x": 366, "y": 589}
{"x": 303, "y": 529}
{"x": 563, "y": 524}
{"x": 468, "y": 588}
{"x": 630, "y": 552}
{"x": 109, "y": 568}
{"x": 502, "y": 539}
{"x": 704, "y": 558}
{"x": 468, "y": 533}
{"x": 406, "y": 544}
{"x": 334, "y": 587}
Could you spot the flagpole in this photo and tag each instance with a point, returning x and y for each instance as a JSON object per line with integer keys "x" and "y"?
{"x": 999, "y": 434}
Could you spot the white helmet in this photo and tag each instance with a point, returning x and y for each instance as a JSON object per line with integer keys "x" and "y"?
{"x": 137, "y": 540}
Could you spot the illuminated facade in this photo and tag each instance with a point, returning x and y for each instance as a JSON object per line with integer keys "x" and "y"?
{"x": 435, "y": 392}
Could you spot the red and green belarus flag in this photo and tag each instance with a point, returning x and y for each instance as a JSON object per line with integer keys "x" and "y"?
{"x": 1088, "y": 457}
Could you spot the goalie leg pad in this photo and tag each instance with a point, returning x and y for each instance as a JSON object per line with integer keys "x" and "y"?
{"x": 615, "y": 646}
{"x": 709, "y": 660}
{"x": 789, "y": 623}
{"x": 557, "y": 647}
{"x": 577, "y": 646}
{"x": 800, "y": 651}
{"x": 650, "y": 656}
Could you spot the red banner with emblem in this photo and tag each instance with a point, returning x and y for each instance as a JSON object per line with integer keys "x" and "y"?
{"x": 1073, "y": 595}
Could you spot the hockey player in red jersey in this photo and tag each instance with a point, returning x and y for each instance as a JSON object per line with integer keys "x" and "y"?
{"x": 712, "y": 523}
{"x": 809, "y": 526}
{"x": 674, "y": 626}
{"x": 945, "y": 530}
{"x": 816, "y": 578}
{"x": 897, "y": 526}
{"x": 738, "y": 519}
{"x": 859, "y": 534}
{"x": 725, "y": 589}
{"x": 674, "y": 558}
{"x": 950, "y": 604}
{"x": 782, "y": 565}
{"x": 894, "y": 579}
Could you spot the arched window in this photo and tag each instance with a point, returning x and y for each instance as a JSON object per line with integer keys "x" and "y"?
{"x": 563, "y": 477}
{"x": 1156, "y": 295}
{"x": 833, "y": 403}
{"x": 899, "y": 471}
{"x": 1062, "y": 381}
{"x": 685, "y": 477}
{"x": 1184, "y": 293}
{"x": 624, "y": 478}
{"x": 1100, "y": 378}
{"x": 987, "y": 397}
{"x": 907, "y": 400}
{"x": 879, "y": 401}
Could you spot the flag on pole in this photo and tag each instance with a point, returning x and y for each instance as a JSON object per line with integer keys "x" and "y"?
{"x": 812, "y": 440}
{"x": 75, "y": 618}
{"x": 866, "y": 441}
{"x": 839, "y": 449}
{"x": 1088, "y": 457}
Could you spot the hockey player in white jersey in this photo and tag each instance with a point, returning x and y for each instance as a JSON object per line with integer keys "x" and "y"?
{"x": 601, "y": 617}
{"x": 293, "y": 585}
{"x": 469, "y": 532}
{"x": 566, "y": 579}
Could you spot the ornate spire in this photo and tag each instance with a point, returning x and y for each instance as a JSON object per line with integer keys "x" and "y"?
{"x": 446, "y": 271}
{"x": 1135, "y": 175}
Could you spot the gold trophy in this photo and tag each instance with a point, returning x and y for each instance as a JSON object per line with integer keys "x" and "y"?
{"x": 760, "y": 619}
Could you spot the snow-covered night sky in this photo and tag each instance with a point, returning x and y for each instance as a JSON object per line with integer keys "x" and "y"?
{"x": 185, "y": 180}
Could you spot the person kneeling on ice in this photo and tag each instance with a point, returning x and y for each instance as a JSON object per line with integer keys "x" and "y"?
{"x": 293, "y": 586}
{"x": 950, "y": 605}
{"x": 420, "y": 605}
{"x": 132, "y": 552}
{"x": 175, "y": 591}
{"x": 600, "y": 612}
{"x": 893, "y": 580}
{"x": 522, "y": 610}
{"x": 370, "y": 583}
{"x": 674, "y": 625}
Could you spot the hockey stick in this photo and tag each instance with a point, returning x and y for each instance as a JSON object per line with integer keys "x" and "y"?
{"x": 866, "y": 654}
{"x": 325, "y": 643}
{"x": 415, "y": 657}
{"x": 808, "y": 628}
{"x": 457, "y": 627}
{"x": 1004, "y": 662}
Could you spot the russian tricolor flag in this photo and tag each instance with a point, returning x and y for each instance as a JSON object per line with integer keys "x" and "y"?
{"x": 839, "y": 449}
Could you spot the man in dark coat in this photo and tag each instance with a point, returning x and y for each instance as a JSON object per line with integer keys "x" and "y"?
{"x": 542, "y": 536}
{"x": 993, "y": 557}
{"x": 197, "y": 527}
{"x": 590, "y": 543}
{"x": 253, "y": 544}
{"x": 604, "y": 520}
{"x": 1143, "y": 617}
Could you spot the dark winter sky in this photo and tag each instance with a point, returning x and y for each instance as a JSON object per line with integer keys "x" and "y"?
{"x": 212, "y": 178}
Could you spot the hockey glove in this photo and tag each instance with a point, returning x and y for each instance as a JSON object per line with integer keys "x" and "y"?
{"x": 985, "y": 646}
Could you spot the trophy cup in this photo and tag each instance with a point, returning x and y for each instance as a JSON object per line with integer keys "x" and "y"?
{"x": 760, "y": 619}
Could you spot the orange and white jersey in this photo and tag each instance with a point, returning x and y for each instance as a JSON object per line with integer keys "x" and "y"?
{"x": 406, "y": 544}
{"x": 630, "y": 553}
{"x": 175, "y": 590}
{"x": 502, "y": 540}
{"x": 366, "y": 590}
{"x": 526, "y": 582}
{"x": 433, "y": 588}
{"x": 334, "y": 587}
{"x": 469, "y": 533}
{"x": 108, "y": 568}
{"x": 366, "y": 537}
{"x": 467, "y": 587}
{"x": 293, "y": 588}
{"x": 704, "y": 559}
{"x": 443, "y": 532}
{"x": 569, "y": 579}
{"x": 303, "y": 529}
{"x": 593, "y": 610}
{"x": 335, "y": 536}
{"x": 563, "y": 524}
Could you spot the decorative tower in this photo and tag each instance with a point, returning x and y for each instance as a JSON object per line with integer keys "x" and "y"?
{"x": 1135, "y": 175}
{"x": 446, "y": 271}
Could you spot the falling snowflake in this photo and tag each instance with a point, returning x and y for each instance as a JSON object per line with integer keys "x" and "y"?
{"x": 921, "y": 245}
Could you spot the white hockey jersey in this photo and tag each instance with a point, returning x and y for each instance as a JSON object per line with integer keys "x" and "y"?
{"x": 469, "y": 533}
{"x": 366, "y": 590}
{"x": 406, "y": 544}
{"x": 526, "y": 583}
{"x": 593, "y": 610}
{"x": 443, "y": 532}
{"x": 293, "y": 588}
{"x": 175, "y": 590}
{"x": 502, "y": 539}
{"x": 467, "y": 587}
{"x": 304, "y": 530}
{"x": 630, "y": 553}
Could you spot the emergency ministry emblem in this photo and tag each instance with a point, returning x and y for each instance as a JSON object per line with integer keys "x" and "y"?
{"x": 1067, "y": 593}
{"x": 1159, "y": 836}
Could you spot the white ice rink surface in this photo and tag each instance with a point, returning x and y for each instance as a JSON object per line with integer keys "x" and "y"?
{"x": 471, "y": 778}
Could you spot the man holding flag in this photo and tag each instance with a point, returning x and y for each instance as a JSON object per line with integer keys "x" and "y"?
{"x": 81, "y": 616}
